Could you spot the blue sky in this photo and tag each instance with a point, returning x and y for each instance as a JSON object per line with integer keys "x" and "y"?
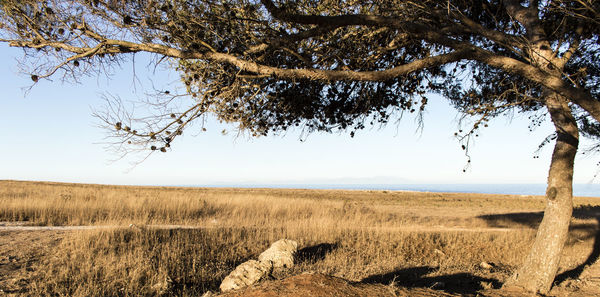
{"x": 50, "y": 134}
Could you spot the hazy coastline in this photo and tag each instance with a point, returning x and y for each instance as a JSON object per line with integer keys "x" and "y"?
{"x": 585, "y": 190}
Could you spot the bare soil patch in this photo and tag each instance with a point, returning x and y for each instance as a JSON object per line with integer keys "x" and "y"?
{"x": 19, "y": 254}
{"x": 320, "y": 285}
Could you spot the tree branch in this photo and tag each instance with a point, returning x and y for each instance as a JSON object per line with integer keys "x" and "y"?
{"x": 316, "y": 31}
{"x": 582, "y": 98}
{"x": 343, "y": 20}
{"x": 504, "y": 39}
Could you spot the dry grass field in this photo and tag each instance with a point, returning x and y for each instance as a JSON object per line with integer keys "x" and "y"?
{"x": 394, "y": 238}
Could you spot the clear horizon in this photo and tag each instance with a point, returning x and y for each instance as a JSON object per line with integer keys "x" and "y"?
{"x": 582, "y": 190}
{"x": 50, "y": 134}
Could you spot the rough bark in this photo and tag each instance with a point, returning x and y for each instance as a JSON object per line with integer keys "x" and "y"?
{"x": 539, "y": 269}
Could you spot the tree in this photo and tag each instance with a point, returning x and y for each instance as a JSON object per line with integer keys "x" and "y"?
{"x": 327, "y": 65}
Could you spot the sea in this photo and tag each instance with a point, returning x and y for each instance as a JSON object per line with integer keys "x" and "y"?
{"x": 586, "y": 190}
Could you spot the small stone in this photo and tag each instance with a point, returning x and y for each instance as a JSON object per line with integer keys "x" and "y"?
{"x": 485, "y": 265}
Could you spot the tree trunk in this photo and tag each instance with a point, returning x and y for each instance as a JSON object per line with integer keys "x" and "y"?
{"x": 541, "y": 265}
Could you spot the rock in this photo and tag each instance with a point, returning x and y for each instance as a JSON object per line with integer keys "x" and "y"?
{"x": 485, "y": 265}
{"x": 246, "y": 274}
{"x": 281, "y": 253}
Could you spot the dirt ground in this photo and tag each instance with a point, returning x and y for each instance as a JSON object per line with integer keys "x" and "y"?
{"x": 318, "y": 285}
{"x": 21, "y": 250}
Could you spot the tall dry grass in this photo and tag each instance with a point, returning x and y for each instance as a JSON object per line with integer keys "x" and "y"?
{"x": 359, "y": 235}
{"x": 40, "y": 203}
{"x": 191, "y": 262}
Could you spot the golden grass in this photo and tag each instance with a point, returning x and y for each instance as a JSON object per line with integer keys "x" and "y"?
{"x": 358, "y": 235}
{"x": 43, "y": 203}
{"x": 190, "y": 262}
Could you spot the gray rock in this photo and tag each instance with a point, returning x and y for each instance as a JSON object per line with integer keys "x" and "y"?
{"x": 281, "y": 254}
{"x": 246, "y": 274}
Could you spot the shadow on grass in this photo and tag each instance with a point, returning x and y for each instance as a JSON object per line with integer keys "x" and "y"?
{"x": 509, "y": 220}
{"x": 585, "y": 212}
{"x": 416, "y": 277}
{"x": 315, "y": 253}
{"x": 533, "y": 219}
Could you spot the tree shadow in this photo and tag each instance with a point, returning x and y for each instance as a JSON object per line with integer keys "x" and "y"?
{"x": 415, "y": 277}
{"x": 315, "y": 253}
{"x": 507, "y": 220}
{"x": 585, "y": 212}
{"x": 533, "y": 219}
{"x": 408, "y": 274}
